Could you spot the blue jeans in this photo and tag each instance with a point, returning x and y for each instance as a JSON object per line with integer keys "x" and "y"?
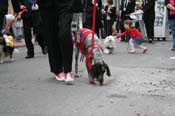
{"x": 172, "y": 25}
{"x": 138, "y": 40}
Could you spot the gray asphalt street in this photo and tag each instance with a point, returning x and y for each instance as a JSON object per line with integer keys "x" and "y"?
{"x": 140, "y": 85}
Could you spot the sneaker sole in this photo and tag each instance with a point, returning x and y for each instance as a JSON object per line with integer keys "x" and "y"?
{"x": 69, "y": 82}
{"x": 144, "y": 51}
{"x": 61, "y": 80}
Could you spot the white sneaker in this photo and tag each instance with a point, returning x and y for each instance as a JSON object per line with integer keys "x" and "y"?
{"x": 172, "y": 58}
{"x": 69, "y": 78}
{"x": 60, "y": 76}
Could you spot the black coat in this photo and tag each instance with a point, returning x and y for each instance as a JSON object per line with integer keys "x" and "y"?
{"x": 4, "y": 6}
{"x": 149, "y": 7}
{"x": 87, "y": 20}
{"x": 55, "y": 4}
{"x": 149, "y": 10}
{"x": 129, "y": 9}
{"x": 112, "y": 14}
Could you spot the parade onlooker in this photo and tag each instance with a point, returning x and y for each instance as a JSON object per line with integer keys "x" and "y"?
{"x": 149, "y": 17}
{"x": 31, "y": 20}
{"x": 170, "y": 4}
{"x": 19, "y": 31}
{"x": 88, "y": 15}
{"x": 57, "y": 17}
{"x": 4, "y": 10}
{"x": 136, "y": 36}
{"x": 110, "y": 16}
{"x": 127, "y": 7}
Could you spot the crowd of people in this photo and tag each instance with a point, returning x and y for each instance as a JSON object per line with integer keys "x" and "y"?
{"x": 49, "y": 21}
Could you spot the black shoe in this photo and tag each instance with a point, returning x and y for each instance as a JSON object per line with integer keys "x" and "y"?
{"x": 173, "y": 49}
{"x": 150, "y": 41}
{"x": 44, "y": 50}
{"x": 122, "y": 40}
{"x": 29, "y": 56}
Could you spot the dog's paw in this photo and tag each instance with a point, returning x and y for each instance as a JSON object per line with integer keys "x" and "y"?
{"x": 106, "y": 51}
{"x": 92, "y": 83}
{"x": 101, "y": 83}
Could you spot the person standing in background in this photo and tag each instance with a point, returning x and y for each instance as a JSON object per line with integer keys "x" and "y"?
{"x": 31, "y": 19}
{"x": 127, "y": 7}
{"x": 170, "y": 4}
{"x": 110, "y": 16}
{"x": 4, "y": 10}
{"x": 149, "y": 17}
{"x": 19, "y": 31}
{"x": 88, "y": 15}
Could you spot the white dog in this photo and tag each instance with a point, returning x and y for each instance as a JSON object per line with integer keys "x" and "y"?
{"x": 109, "y": 44}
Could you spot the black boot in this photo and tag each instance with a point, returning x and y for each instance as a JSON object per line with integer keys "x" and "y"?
{"x": 150, "y": 41}
{"x": 44, "y": 50}
{"x": 29, "y": 56}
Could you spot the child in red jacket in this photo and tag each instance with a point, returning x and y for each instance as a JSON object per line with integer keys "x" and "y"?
{"x": 136, "y": 36}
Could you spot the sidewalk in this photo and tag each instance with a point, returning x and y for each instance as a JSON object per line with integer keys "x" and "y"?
{"x": 19, "y": 43}
{"x": 22, "y": 43}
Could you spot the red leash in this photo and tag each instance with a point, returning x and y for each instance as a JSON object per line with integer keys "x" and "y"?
{"x": 93, "y": 22}
{"x": 90, "y": 55}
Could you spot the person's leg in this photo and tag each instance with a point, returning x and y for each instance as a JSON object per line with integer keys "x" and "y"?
{"x": 110, "y": 23}
{"x": 65, "y": 38}
{"x": 172, "y": 25}
{"x": 147, "y": 28}
{"x": 40, "y": 38}
{"x": 131, "y": 42}
{"x": 1, "y": 20}
{"x": 142, "y": 28}
{"x": 66, "y": 42}
{"x": 28, "y": 38}
{"x": 151, "y": 26}
{"x": 50, "y": 35}
{"x": 147, "y": 24}
{"x": 122, "y": 29}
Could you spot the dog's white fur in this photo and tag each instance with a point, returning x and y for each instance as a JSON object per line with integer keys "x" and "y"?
{"x": 109, "y": 44}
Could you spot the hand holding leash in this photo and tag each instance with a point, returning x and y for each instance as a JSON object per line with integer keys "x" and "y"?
{"x": 17, "y": 16}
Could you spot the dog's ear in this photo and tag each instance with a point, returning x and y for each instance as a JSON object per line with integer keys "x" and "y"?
{"x": 95, "y": 70}
{"x": 108, "y": 72}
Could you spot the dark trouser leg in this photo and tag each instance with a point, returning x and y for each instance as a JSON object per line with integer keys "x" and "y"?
{"x": 149, "y": 24}
{"x": 65, "y": 39}
{"x": 110, "y": 23}
{"x": 1, "y": 21}
{"x": 122, "y": 29}
{"x": 28, "y": 37}
{"x": 50, "y": 36}
{"x": 39, "y": 36}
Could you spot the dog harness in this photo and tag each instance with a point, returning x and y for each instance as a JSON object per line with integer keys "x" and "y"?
{"x": 84, "y": 40}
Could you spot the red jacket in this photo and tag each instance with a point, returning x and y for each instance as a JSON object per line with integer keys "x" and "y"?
{"x": 133, "y": 32}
